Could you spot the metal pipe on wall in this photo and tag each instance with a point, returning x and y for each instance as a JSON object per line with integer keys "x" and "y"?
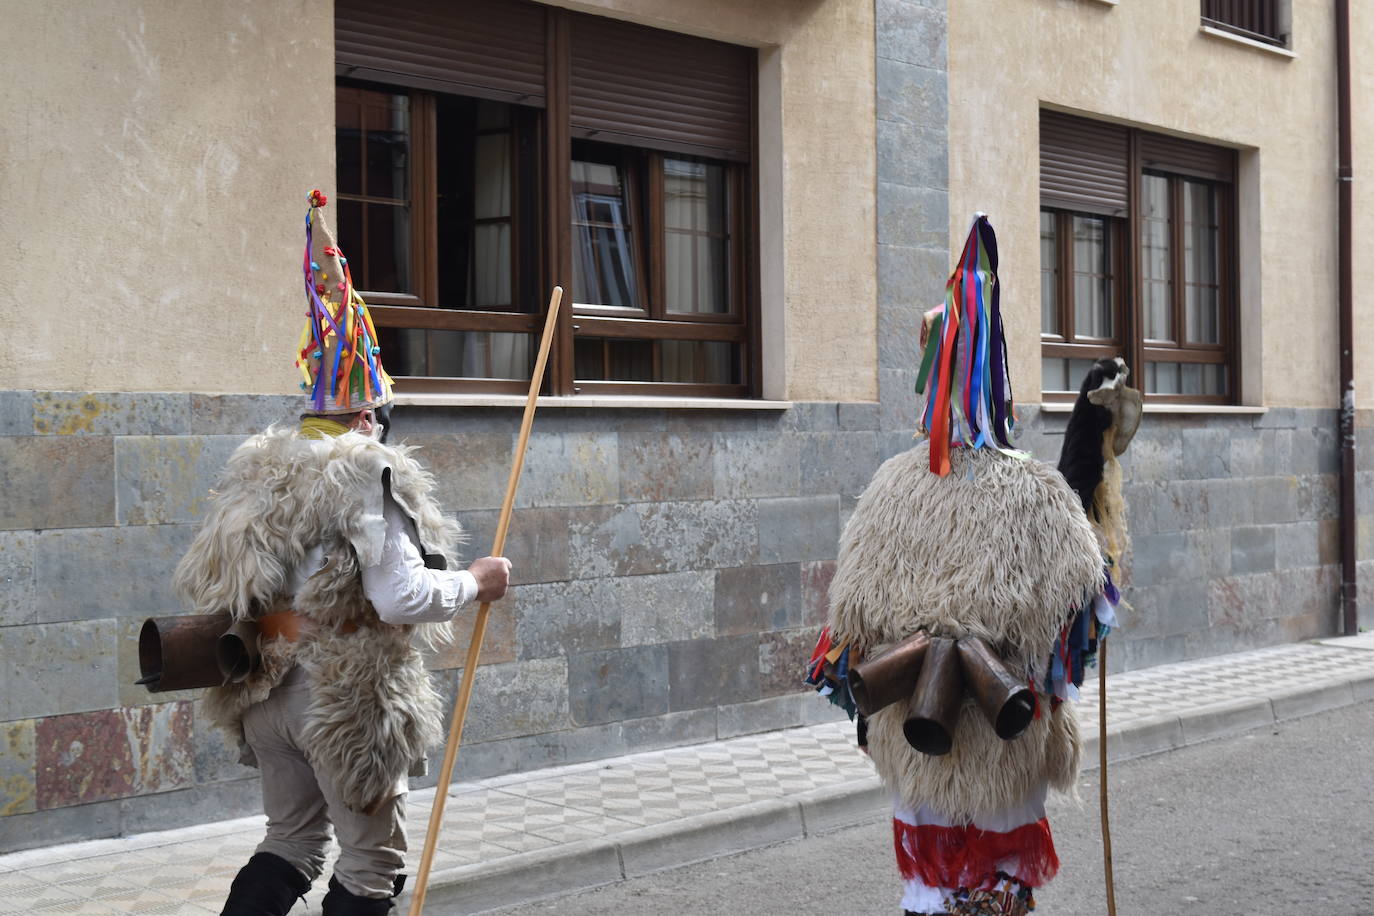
{"x": 1345, "y": 181}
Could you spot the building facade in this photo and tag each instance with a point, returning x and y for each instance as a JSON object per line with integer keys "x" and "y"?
{"x": 701, "y": 177}
{"x": 750, "y": 206}
{"x": 1169, "y": 171}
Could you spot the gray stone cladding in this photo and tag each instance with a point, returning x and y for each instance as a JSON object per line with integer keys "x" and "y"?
{"x": 669, "y": 587}
{"x": 671, "y": 572}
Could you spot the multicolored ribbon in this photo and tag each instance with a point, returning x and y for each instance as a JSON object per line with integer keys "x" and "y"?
{"x": 963, "y": 375}
{"x": 355, "y": 372}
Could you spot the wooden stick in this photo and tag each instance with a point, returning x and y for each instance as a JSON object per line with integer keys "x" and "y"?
{"x": 479, "y": 628}
{"x": 1102, "y": 774}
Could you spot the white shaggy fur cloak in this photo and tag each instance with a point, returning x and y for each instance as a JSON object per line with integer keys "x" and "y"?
{"x": 373, "y": 711}
{"x": 1000, "y": 549}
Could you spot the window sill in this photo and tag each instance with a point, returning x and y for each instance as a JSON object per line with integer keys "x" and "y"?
{"x": 1248, "y": 42}
{"x": 417, "y": 399}
{"x": 1220, "y": 409}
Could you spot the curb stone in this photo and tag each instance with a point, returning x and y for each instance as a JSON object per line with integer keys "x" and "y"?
{"x": 530, "y": 877}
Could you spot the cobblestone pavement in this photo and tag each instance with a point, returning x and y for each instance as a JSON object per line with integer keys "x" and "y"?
{"x": 489, "y": 822}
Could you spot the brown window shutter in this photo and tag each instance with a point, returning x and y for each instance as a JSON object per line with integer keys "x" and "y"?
{"x": 1184, "y": 157}
{"x": 486, "y": 48}
{"x": 1083, "y": 165}
{"x": 646, "y": 87}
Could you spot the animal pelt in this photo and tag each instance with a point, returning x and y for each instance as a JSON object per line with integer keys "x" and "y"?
{"x": 371, "y": 704}
{"x": 1081, "y": 457}
{"x": 1000, "y": 549}
{"x": 373, "y": 711}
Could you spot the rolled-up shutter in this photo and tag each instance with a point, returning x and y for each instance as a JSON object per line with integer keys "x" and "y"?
{"x": 1184, "y": 157}
{"x": 1083, "y": 165}
{"x": 645, "y": 87}
{"x": 486, "y": 48}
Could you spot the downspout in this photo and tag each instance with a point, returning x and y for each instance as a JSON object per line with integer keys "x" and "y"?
{"x": 1345, "y": 182}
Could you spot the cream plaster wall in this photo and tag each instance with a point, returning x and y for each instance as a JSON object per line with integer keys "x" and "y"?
{"x": 1362, "y": 139}
{"x": 156, "y": 157}
{"x": 1145, "y": 63}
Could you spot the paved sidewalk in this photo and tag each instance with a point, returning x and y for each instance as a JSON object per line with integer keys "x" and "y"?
{"x": 517, "y": 838}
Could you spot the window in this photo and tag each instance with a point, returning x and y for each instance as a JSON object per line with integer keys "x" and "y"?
{"x": 1261, "y": 20}
{"x": 516, "y": 146}
{"x": 1136, "y": 259}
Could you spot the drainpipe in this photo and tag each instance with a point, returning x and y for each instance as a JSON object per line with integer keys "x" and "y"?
{"x": 1345, "y": 180}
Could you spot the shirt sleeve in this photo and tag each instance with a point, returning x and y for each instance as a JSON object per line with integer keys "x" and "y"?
{"x": 402, "y": 588}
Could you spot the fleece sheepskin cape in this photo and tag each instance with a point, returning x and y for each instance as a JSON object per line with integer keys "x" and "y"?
{"x": 1000, "y": 549}
{"x": 373, "y": 712}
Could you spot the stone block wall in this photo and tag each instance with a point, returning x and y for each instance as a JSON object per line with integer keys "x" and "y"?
{"x": 1234, "y": 521}
{"x": 671, "y": 573}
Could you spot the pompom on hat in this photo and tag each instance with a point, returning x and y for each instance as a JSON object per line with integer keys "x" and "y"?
{"x": 339, "y": 357}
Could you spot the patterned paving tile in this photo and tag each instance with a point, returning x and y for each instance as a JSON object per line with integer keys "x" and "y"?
{"x": 78, "y": 906}
{"x": 35, "y": 898}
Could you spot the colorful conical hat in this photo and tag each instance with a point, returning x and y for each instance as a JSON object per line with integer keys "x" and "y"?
{"x": 339, "y": 357}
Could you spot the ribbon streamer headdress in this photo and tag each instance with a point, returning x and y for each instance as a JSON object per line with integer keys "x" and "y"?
{"x": 339, "y": 356}
{"x": 963, "y": 379}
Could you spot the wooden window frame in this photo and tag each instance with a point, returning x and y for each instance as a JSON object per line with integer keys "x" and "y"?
{"x": 421, "y": 311}
{"x": 1068, "y": 344}
{"x": 1132, "y": 343}
{"x": 1182, "y": 350}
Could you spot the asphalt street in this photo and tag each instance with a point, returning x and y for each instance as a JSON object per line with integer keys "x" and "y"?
{"x": 1274, "y": 822}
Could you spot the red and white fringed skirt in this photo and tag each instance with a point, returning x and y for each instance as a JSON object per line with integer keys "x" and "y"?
{"x": 990, "y": 865}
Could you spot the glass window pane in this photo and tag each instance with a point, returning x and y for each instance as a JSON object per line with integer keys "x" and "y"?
{"x": 1053, "y": 374}
{"x": 1201, "y": 259}
{"x": 491, "y": 265}
{"x": 349, "y": 231}
{"x": 711, "y": 362}
{"x": 611, "y": 359}
{"x": 1049, "y": 275}
{"x": 694, "y": 196}
{"x": 386, "y": 119}
{"x": 1163, "y": 378}
{"x": 1078, "y": 370}
{"x": 348, "y": 141}
{"x": 630, "y": 360}
{"x": 463, "y": 354}
{"x": 1155, "y": 257}
{"x": 1158, "y": 314}
{"x": 1060, "y": 374}
{"x": 697, "y": 240}
{"x": 603, "y": 239}
{"x": 1203, "y": 379}
{"x": 491, "y": 180}
{"x": 388, "y": 248}
{"x": 1092, "y": 280}
{"x": 493, "y": 115}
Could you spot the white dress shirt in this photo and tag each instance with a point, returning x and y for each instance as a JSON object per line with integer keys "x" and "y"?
{"x": 401, "y": 588}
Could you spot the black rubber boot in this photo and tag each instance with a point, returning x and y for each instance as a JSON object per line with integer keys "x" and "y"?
{"x": 340, "y": 902}
{"x": 267, "y": 886}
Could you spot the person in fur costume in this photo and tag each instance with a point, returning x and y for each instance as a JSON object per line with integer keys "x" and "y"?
{"x": 967, "y": 543}
{"x": 332, "y": 544}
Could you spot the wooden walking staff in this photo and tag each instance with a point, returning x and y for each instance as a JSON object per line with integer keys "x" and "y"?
{"x": 1102, "y": 774}
{"x": 479, "y": 628}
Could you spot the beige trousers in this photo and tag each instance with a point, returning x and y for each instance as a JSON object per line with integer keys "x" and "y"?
{"x": 302, "y": 801}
